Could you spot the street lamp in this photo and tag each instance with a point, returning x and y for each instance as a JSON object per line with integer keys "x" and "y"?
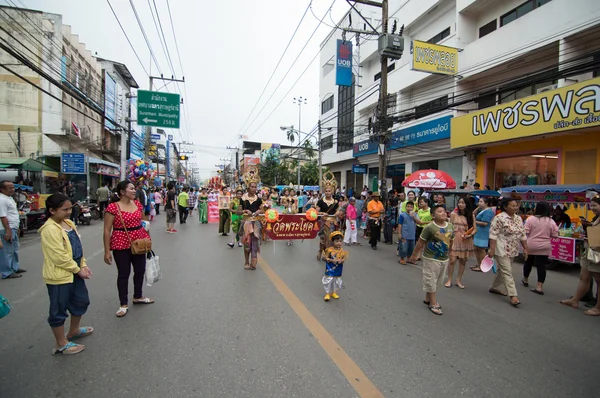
{"x": 291, "y": 128}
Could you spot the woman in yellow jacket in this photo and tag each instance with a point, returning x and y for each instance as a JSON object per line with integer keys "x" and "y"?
{"x": 64, "y": 273}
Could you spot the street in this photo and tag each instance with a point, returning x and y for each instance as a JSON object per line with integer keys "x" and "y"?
{"x": 217, "y": 330}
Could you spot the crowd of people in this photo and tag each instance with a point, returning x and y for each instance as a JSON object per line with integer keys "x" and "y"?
{"x": 426, "y": 230}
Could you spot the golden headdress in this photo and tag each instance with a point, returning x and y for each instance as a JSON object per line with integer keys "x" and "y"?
{"x": 336, "y": 233}
{"x": 329, "y": 181}
{"x": 251, "y": 175}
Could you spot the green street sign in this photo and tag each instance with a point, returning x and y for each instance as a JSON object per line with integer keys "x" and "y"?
{"x": 157, "y": 109}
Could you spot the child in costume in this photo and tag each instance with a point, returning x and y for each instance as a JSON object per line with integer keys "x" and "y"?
{"x": 334, "y": 257}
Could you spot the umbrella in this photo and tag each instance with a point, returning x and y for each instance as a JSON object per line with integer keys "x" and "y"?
{"x": 429, "y": 179}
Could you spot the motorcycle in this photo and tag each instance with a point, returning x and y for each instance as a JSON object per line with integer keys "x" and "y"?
{"x": 95, "y": 211}
{"x": 85, "y": 216}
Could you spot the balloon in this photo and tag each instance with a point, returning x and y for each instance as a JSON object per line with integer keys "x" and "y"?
{"x": 311, "y": 214}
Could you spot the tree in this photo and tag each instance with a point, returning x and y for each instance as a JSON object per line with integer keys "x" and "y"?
{"x": 310, "y": 173}
{"x": 291, "y": 136}
{"x": 308, "y": 149}
{"x": 273, "y": 172}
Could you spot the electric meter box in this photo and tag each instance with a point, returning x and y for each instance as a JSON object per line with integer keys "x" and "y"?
{"x": 392, "y": 46}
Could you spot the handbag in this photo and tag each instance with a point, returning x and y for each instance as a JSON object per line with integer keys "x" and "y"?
{"x": 138, "y": 246}
{"x": 4, "y": 306}
{"x": 593, "y": 256}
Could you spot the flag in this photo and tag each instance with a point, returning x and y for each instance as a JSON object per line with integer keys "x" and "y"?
{"x": 76, "y": 129}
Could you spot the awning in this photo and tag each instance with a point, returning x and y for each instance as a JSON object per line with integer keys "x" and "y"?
{"x": 25, "y": 164}
{"x": 552, "y": 188}
{"x": 104, "y": 162}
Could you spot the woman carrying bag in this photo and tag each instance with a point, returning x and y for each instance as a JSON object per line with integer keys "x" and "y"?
{"x": 125, "y": 236}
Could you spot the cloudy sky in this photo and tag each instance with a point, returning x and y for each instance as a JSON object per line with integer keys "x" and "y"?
{"x": 228, "y": 50}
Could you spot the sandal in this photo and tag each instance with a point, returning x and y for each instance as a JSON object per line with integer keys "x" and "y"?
{"x": 515, "y": 303}
{"x": 435, "y": 310}
{"x": 438, "y": 305}
{"x": 122, "y": 311}
{"x": 592, "y": 312}
{"x": 83, "y": 331}
{"x": 460, "y": 285}
{"x": 569, "y": 303}
{"x": 494, "y": 291}
{"x": 143, "y": 300}
{"x": 68, "y": 349}
{"x": 247, "y": 266}
{"x": 526, "y": 284}
{"x": 476, "y": 269}
{"x": 541, "y": 293}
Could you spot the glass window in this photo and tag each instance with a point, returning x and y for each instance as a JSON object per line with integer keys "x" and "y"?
{"x": 486, "y": 100}
{"x": 508, "y": 18}
{"x": 538, "y": 169}
{"x": 524, "y": 9}
{"x": 431, "y": 107}
{"x": 440, "y": 36}
{"x": 345, "y": 134}
{"x": 327, "y": 142}
{"x": 488, "y": 28}
{"x": 521, "y": 10}
{"x": 327, "y": 105}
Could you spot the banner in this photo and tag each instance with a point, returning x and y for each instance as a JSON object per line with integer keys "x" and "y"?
{"x": 433, "y": 58}
{"x": 343, "y": 66}
{"x": 213, "y": 212}
{"x": 565, "y": 197}
{"x": 568, "y": 108}
{"x": 563, "y": 249}
{"x": 268, "y": 150}
{"x": 292, "y": 226}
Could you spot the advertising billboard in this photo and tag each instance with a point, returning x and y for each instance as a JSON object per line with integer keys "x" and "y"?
{"x": 268, "y": 150}
{"x": 251, "y": 160}
{"x": 433, "y": 58}
{"x": 110, "y": 100}
{"x": 343, "y": 65}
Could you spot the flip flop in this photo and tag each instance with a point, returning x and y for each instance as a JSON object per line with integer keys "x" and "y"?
{"x": 568, "y": 304}
{"x": 427, "y": 303}
{"x": 515, "y": 304}
{"x": 461, "y": 286}
{"x": 592, "y": 312}
{"x": 476, "y": 269}
{"x": 493, "y": 291}
{"x": 83, "y": 331}
{"x": 144, "y": 300}
{"x": 68, "y": 349}
{"x": 448, "y": 286}
{"x": 537, "y": 291}
{"x": 122, "y": 311}
{"x": 526, "y": 284}
{"x": 435, "y": 310}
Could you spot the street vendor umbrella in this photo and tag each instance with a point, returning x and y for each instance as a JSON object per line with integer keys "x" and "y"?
{"x": 429, "y": 179}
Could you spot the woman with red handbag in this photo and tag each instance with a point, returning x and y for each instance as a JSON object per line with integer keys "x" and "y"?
{"x": 124, "y": 234}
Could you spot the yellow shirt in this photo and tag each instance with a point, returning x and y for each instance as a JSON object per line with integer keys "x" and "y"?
{"x": 375, "y": 206}
{"x": 59, "y": 266}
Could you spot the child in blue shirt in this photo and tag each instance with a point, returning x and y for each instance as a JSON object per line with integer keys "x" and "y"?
{"x": 334, "y": 257}
{"x": 407, "y": 229}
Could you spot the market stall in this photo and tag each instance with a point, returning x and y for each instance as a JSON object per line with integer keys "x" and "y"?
{"x": 568, "y": 247}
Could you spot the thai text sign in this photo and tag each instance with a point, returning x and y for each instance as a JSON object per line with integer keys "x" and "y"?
{"x": 157, "y": 109}
{"x": 292, "y": 226}
{"x": 343, "y": 66}
{"x": 568, "y": 108}
{"x": 433, "y": 58}
{"x": 565, "y": 197}
{"x": 563, "y": 249}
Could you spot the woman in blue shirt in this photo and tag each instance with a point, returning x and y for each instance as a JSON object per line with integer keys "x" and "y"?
{"x": 482, "y": 236}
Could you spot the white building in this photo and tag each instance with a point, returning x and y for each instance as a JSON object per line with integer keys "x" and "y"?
{"x": 508, "y": 50}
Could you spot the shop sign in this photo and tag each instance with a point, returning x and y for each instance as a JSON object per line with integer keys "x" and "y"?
{"x": 568, "y": 108}
{"x": 433, "y": 58}
{"x": 51, "y": 174}
{"x": 343, "y": 68}
{"x": 293, "y": 226}
{"x": 565, "y": 197}
{"x": 563, "y": 249}
{"x": 359, "y": 168}
{"x": 432, "y": 130}
{"x": 104, "y": 170}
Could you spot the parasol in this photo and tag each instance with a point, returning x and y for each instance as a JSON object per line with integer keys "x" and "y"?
{"x": 429, "y": 179}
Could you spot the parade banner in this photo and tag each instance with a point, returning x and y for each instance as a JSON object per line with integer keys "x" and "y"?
{"x": 563, "y": 249}
{"x": 564, "y": 197}
{"x": 213, "y": 212}
{"x": 292, "y": 226}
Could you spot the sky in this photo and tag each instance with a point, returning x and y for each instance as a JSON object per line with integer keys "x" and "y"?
{"x": 228, "y": 51}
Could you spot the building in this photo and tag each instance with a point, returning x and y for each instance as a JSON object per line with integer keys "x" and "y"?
{"x": 501, "y": 51}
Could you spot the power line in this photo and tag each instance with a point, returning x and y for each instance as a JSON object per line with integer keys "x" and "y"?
{"x": 165, "y": 51}
{"x": 163, "y": 36}
{"x": 175, "y": 38}
{"x": 127, "y": 37}
{"x": 137, "y": 17}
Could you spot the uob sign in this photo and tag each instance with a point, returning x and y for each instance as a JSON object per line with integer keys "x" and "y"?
{"x": 343, "y": 66}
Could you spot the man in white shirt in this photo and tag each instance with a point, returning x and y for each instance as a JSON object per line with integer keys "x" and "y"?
{"x": 9, "y": 232}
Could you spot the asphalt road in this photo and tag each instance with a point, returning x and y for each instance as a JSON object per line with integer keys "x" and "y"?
{"x": 217, "y": 330}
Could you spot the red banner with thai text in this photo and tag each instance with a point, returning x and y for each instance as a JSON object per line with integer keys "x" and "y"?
{"x": 291, "y": 227}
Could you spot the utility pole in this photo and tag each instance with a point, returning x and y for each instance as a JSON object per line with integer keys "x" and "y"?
{"x": 320, "y": 157}
{"x": 383, "y": 91}
{"x": 19, "y": 152}
{"x": 300, "y": 101}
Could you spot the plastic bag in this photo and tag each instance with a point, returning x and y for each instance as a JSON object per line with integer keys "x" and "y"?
{"x": 153, "y": 272}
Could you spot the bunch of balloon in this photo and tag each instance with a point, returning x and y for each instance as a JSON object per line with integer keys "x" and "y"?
{"x": 140, "y": 171}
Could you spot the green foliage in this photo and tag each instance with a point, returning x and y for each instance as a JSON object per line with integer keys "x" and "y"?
{"x": 310, "y": 173}
{"x": 273, "y": 172}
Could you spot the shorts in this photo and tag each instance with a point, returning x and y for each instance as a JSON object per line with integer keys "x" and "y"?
{"x": 72, "y": 297}
{"x": 171, "y": 216}
{"x": 588, "y": 265}
{"x": 434, "y": 273}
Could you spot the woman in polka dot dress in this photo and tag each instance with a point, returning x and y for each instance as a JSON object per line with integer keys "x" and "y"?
{"x": 125, "y": 209}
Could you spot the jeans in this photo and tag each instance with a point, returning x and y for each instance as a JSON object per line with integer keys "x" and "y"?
{"x": 406, "y": 247}
{"x": 540, "y": 265}
{"x": 157, "y": 208}
{"x": 72, "y": 297}
{"x": 9, "y": 254}
{"x": 388, "y": 233}
{"x": 103, "y": 205}
{"x": 183, "y": 214}
{"x": 124, "y": 260}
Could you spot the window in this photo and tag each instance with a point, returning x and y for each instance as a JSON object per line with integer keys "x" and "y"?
{"x": 515, "y": 94}
{"x": 327, "y": 105}
{"x": 328, "y": 67}
{"x": 345, "y": 125}
{"x": 523, "y": 170}
{"x": 521, "y": 10}
{"x": 440, "y": 36}
{"x": 391, "y": 67}
{"x": 486, "y": 100}
{"x": 431, "y": 107}
{"x": 488, "y": 28}
{"x": 327, "y": 142}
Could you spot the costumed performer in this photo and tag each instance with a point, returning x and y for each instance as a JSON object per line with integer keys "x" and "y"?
{"x": 251, "y": 226}
{"x": 334, "y": 256}
{"x": 203, "y": 206}
{"x": 235, "y": 205}
{"x": 327, "y": 207}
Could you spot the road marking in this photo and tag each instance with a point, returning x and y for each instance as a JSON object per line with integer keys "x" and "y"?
{"x": 355, "y": 376}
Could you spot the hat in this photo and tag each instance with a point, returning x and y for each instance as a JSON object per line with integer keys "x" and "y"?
{"x": 336, "y": 233}
{"x": 375, "y": 194}
{"x": 352, "y": 199}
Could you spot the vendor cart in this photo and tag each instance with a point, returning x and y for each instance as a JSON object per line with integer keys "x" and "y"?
{"x": 567, "y": 248}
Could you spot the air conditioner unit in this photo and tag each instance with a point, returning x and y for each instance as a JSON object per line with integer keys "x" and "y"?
{"x": 547, "y": 88}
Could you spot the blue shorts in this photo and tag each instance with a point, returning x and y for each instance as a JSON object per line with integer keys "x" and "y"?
{"x": 69, "y": 296}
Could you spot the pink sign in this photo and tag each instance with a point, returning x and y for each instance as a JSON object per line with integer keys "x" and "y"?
{"x": 563, "y": 249}
{"x": 213, "y": 212}
{"x": 565, "y": 197}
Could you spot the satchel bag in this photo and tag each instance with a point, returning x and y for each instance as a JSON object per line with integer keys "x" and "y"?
{"x": 593, "y": 256}
{"x": 138, "y": 246}
{"x": 4, "y": 307}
